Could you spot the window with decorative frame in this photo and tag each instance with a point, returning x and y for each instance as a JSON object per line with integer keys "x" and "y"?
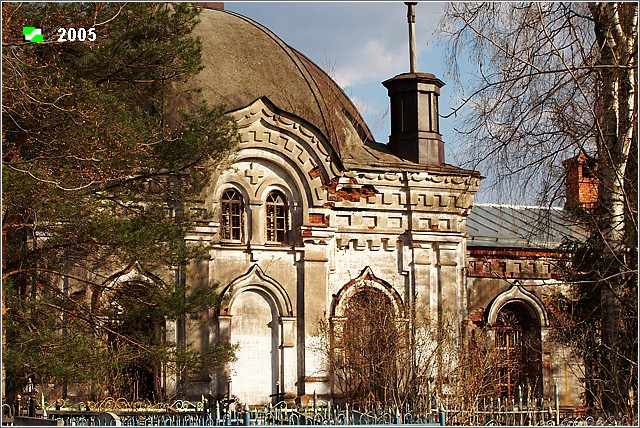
{"x": 277, "y": 215}
{"x": 232, "y": 221}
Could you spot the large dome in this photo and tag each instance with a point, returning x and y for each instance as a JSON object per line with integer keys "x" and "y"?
{"x": 245, "y": 61}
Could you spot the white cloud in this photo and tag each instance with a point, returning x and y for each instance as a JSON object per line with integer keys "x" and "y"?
{"x": 374, "y": 61}
{"x": 359, "y": 44}
{"x": 355, "y": 42}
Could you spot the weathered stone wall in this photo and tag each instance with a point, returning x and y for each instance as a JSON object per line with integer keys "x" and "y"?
{"x": 499, "y": 276}
{"x": 404, "y": 229}
{"x": 400, "y": 231}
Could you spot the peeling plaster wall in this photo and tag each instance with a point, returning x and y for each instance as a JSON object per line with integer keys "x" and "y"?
{"x": 559, "y": 364}
{"x": 405, "y": 229}
{"x": 401, "y": 230}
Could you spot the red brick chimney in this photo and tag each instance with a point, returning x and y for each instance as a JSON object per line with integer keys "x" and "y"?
{"x": 581, "y": 183}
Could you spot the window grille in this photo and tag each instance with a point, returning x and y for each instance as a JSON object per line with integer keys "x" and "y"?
{"x": 277, "y": 218}
{"x": 232, "y": 227}
{"x": 508, "y": 340}
{"x": 518, "y": 343}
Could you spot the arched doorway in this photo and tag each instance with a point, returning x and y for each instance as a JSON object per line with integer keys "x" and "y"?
{"x": 371, "y": 340}
{"x": 125, "y": 307}
{"x": 519, "y": 346}
{"x": 368, "y": 336}
{"x": 261, "y": 321}
{"x": 255, "y": 329}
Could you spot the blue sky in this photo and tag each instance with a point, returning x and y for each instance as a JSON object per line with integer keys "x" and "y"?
{"x": 361, "y": 44}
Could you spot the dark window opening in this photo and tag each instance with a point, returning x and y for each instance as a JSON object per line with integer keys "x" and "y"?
{"x": 518, "y": 343}
{"x": 370, "y": 342}
{"x": 138, "y": 375}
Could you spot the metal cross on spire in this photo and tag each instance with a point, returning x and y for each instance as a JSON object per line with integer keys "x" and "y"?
{"x": 411, "y": 19}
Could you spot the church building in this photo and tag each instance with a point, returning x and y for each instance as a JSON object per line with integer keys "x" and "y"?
{"x": 311, "y": 214}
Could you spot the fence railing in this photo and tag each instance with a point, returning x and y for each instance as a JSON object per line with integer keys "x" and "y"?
{"x": 524, "y": 410}
{"x": 520, "y": 411}
{"x": 111, "y": 412}
{"x": 219, "y": 415}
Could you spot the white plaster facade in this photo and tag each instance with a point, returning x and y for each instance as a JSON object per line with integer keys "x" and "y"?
{"x": 403, "y": 228}
{"x": 357, "y": 213}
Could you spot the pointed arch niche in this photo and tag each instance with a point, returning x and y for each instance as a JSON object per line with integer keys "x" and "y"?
{"x": 366, "y": 280}
{"x": 259, "y": 318}
{"x": 368, "y": 327}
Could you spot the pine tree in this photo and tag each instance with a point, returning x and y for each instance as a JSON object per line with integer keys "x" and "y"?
{"x": 98, "y": 180}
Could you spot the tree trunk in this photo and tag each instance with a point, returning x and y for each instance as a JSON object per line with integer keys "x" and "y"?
{"x": 615, "y": 127}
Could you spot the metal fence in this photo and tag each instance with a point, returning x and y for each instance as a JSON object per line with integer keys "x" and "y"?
{"x": 525, "y": 410}
{"x": 517, "y": 412}
{"x": 272, "y": 415}
{"x": 185, "y": 413}
{"x": 520, "y": 411}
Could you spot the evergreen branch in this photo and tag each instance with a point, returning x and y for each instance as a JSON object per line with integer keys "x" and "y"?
{"x": 54, "y": 183}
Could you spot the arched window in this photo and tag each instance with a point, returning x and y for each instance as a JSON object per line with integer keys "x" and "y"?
{"x": 232, "y": 227}
{"x": 517, "y": 340}
{"x": 277, "y": 217}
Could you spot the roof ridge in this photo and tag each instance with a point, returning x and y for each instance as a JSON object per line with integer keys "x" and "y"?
{"x": 517, "y": 206}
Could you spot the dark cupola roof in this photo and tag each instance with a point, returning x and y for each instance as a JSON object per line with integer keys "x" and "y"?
{"x": 244, "y": 61}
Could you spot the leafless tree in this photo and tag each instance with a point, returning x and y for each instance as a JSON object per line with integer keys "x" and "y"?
{"x": 554, "y": 80}
{"x": 377, "y": 361}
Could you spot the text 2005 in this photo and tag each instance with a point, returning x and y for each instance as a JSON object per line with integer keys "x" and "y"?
{"x": 76, "y": 34}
